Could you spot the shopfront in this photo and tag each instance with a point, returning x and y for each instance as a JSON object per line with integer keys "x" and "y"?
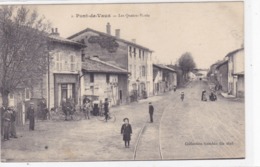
{"x": 65, "y": 87}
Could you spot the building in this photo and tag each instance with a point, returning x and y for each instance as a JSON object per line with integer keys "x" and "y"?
{"x": 103, "y": 80}
{"x": 62, "y": 80}
{"x": 128, "y": 55}
{"x": 236, "y": 72}
{"x": 222, "y": 75}
{"x": 164, "y": 78}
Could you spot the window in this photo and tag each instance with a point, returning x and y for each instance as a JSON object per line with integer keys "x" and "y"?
{"x": 107, "y": 78}
{"x": 83, "y": 57}
{"x": 140, "y": 71}
{"x": 130, "y": 51}
{"x": 58, "y": 62}
{"x": 135, "y": 52}
{"x": 143, "y": 71}
{"x": 91, "y": 77}
{"x": 134, "y": 71}
{"x": 72, "y": 62}
{"x": 27, "y": 94}
{"x": 140, "y": 52}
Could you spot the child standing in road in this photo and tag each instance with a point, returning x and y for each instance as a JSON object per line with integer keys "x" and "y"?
{"x": 182, "y": 96}
{"x": 126, "y": 131}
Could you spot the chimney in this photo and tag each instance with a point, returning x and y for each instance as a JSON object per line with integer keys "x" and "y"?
{"x": 108, "y": 28}
{"x": 55, "y": 32}
{"x": 134, "y": 40}
{"x": 118, "y": 33}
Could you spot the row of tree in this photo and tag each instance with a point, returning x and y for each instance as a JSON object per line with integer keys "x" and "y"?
{"x": 183, "y": 66}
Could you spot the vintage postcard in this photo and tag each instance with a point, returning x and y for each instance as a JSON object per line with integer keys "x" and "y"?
{"x": 117, "y": 82}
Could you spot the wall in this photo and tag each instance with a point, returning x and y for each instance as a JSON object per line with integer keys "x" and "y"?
{"x": 223, "y": 77}
{"x": 118, "y": 58}
{"x": 240, "y": 86}
{"x": 101, "y": 88}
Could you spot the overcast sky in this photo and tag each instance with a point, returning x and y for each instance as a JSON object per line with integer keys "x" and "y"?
{"x": 207, "y": 30}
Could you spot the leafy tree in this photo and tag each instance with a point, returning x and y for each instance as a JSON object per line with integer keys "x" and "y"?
{"x": 186, "y": 64}
{"x": 23, "y": 49}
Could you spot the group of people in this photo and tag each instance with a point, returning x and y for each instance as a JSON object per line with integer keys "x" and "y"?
{"x": 68, "y": 108}
{"x": 8, "y": 129}
{"x": 212, "y": 96}
{"x": 97, "y": 108}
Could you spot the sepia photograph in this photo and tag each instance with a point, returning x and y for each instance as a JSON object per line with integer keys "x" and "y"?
{"x": 122, "y": 82}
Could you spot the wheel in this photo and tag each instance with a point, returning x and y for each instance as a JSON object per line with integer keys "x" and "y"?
{"x": 101, "y": 117}
{"x": 77, "y": 116}
{"x": 111, "y": 118}
{"x": 55, "y": 116}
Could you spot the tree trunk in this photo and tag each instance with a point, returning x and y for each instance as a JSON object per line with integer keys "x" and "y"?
{"x": 5, "y": 99}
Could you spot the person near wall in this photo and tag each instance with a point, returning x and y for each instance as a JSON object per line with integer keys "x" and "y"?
{"x": 86, "y": 109}
{"x": 126, "y": 131}
{"x": 31, "y": 116}
{"x": 7, "y": 123}
{"x": 13, "y": 121}
{"x": 151, "y": 110}
{"x": 106, "y": 109}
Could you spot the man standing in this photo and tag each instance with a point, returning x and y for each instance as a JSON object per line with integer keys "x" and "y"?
{"x": 106, "y": 104}
{"x": 7, "y": 123}
{"x": 151, "y": 109}
{"x": 31, "y": 116}
{"x": 13, "y": 118}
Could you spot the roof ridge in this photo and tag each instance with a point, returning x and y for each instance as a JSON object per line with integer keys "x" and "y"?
{"x": 103, "y": 33}
{"x": 111, "y": 65}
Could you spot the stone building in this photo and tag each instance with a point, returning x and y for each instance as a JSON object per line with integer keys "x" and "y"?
{"x": 128, "y": 55}
{"x": 164, "y": 78}
{"x": 103, "y": 80}
{"x": 236, "y": 72}
{"x": 62, "y": 80}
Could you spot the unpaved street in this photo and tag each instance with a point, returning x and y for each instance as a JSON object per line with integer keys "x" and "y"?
{"x": 191, "y": 129}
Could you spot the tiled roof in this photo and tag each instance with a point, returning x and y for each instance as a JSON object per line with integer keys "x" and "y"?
{"x": 98, "y": 66}
{"x": 234, "y": 52}
{"x": 105, "y": 34}
{"x": 164, "y": 67}
{"x": 57, "y": 38}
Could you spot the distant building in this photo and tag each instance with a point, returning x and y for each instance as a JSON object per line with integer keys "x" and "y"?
{"x": 103, "y": 80}
{"x": 222, "y": 75}
{"x": 164, "y": 78}
{"x": 128, "y": 55}
{"x": 236, "y": 72}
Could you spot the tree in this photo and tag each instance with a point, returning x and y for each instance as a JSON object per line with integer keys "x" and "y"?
{"x": 186, "y": 64}
{"x": 23, "y": 49}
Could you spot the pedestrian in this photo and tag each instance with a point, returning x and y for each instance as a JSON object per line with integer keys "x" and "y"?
{"x": 31, "y": 116}
{"x": 86, "y": 109}
{"x": 203, "y": 96}
{"x": 7, "y": 123}
{"x": 13, "y": 119}
{"x": 126, "y": 131}
{"x": 106, "y": 110}
{"x": 174, "y": 88}
{"x": 151, "y": 110}
{"x": 182, "y": 96}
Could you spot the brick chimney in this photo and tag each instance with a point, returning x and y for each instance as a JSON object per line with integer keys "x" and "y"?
{"x": 55, "y": 32}
{"x": 108, "y": 28}
{"x": 134, "y": 40}
{"x": 118, "y": 33}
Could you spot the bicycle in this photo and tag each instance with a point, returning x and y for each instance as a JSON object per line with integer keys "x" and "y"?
{"x": 59, "y": 115}
{"x": 111, "y": 117}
